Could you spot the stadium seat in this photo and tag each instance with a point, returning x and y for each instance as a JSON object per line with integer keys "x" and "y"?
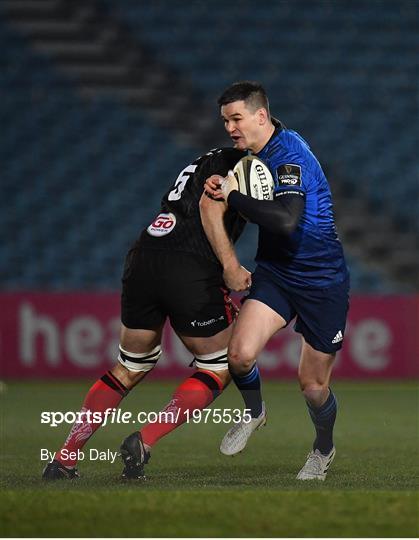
{"x": 84, "y": 168}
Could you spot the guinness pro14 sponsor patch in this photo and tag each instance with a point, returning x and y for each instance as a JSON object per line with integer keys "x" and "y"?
{"x": 289, "y": 175}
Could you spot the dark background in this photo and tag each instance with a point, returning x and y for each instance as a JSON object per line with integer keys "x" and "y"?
{"x": 102, "y": 103}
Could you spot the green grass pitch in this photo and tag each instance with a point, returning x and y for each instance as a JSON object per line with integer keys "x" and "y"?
{"x": 194, "y": 491}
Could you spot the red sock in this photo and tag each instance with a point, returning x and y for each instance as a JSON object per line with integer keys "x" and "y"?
{"x": 106, "y": 393}
{"x": 196, "y": 392}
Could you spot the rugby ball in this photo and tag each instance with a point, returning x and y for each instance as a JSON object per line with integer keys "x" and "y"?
{"x": 254, "y": 178}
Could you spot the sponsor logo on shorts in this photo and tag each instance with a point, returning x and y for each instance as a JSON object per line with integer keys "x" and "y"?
{"x": 162, "y": 225}
{"x": 206, "y": 323}
{"x": 289, "y": 175}
{"x": 338, "y": 338}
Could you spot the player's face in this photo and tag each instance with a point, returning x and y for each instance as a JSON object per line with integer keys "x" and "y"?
{"x": 244, "y": 126}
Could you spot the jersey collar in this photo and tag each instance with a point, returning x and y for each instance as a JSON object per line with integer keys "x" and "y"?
{"x": 279, "y": 126}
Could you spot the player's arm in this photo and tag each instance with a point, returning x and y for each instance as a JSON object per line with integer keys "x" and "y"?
{"x": 212, "y": 213}
{"x": 280, "y": 216}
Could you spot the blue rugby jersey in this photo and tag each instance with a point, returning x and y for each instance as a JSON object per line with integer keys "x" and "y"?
{"x": 312, "y": 256}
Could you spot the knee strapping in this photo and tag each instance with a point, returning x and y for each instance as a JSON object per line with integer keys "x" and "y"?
{"x": 139, "y": 361}
{"x": 217, "y": 361}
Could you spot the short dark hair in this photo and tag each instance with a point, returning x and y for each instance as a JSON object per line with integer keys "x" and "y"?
{"x": 251, "y": 92}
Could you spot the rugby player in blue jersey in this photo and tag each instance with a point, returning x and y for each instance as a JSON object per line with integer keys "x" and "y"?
{"x": 301, "y": 270}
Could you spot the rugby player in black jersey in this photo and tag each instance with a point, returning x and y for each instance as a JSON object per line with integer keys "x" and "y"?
{"x": 171, "y": 272}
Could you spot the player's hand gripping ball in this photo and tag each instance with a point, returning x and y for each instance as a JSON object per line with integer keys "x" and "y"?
{"x": 228, "y": 184}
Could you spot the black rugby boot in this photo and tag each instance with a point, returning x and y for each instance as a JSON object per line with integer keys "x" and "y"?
{"x": 56, "y": 471}
{"x": 134, "y": 456}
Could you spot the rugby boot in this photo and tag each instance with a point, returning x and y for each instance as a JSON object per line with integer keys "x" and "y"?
{"x": 134, "y": 456}
{"x": 316, "y": 466}
{"x": 236, "y": 438}
{"x": 57, "y": 471}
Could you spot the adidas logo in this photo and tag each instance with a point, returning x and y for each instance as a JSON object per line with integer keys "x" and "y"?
{"x": 338, "y": 337}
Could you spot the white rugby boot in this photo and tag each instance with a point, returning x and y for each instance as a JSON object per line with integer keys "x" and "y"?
{"x": 236, "y": 438}
{"x": 316, "y": 466}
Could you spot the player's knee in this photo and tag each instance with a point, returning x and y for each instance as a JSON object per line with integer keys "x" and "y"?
{"x": 241, "y": 358}
{"x": 136, "y": 363}
{"x": 314, "y": 392}
{"x": 128, "y": 378}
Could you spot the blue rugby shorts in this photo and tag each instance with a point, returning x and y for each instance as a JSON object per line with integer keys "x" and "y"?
{"x": 320, "y": 313}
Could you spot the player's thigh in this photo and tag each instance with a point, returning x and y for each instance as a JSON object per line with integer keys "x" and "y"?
{"x": 200, "y": 311}
{"x": 256, "y": 324}
{"x": 315, "y": 367}
{"x": 208, "y": 344}
{"x": 141, "y": 305}
{"x": 196, "y": 299}
{"x": 140, "y": 340}
{"x": 265, "y": 311}
{"x": 210, "y": 353}
{"x": 321, "y": 316}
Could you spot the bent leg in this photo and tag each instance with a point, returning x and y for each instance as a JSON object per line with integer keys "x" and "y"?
{"x": 197, "y": 391}
{"x": 255, "y": 326}
{"x": 108, "y": 391}
{"x": 314, "y": 373}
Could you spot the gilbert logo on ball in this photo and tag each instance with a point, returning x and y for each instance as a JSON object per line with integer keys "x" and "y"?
{"x": 254, "y": 178}
{"x": 162, "y": 225}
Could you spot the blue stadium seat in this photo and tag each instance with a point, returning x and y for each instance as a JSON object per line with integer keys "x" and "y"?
{"x": 359, "y": 40}
{"x": 82, "y": 174}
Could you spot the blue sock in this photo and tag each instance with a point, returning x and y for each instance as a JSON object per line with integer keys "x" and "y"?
{"x": 249, "y": 386}
{"x": 324, "y": 419}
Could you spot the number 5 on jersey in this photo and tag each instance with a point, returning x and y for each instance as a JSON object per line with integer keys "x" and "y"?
{"x": 180, "y": 183}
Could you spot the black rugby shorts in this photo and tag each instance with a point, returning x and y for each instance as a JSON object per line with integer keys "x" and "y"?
{"x": 187, "y": 289}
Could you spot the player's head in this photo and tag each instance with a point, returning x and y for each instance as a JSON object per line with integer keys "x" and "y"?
{"x": 244, "y": 108}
